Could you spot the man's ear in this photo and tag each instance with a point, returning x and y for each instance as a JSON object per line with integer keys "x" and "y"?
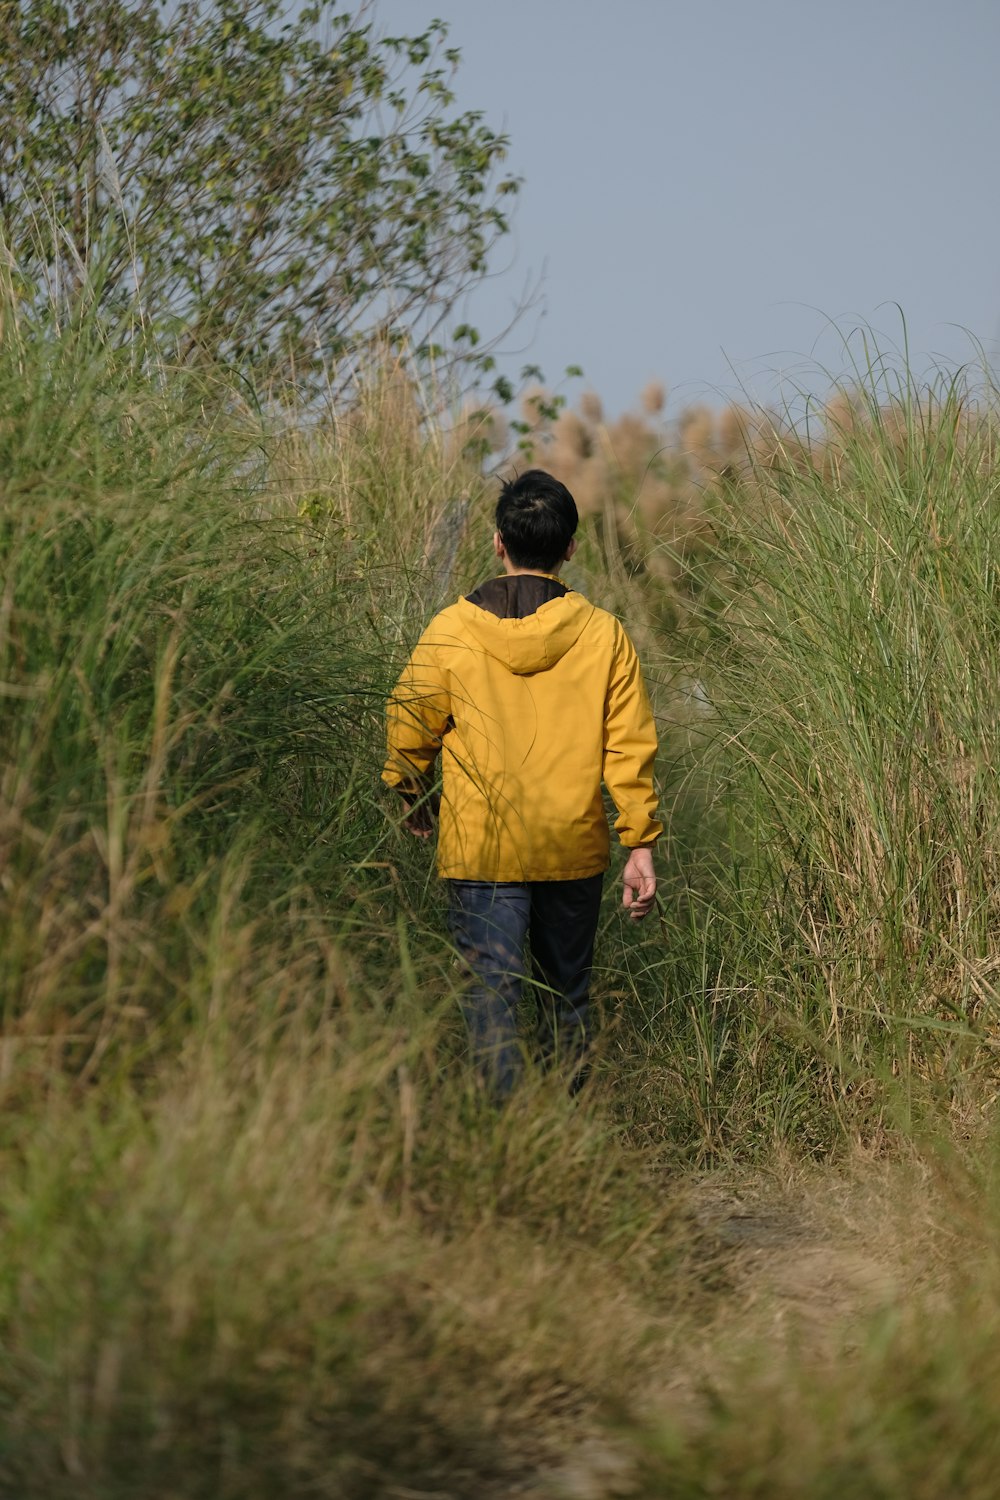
{"x": 498, "y": 546}
{"x": 571, "y": 549}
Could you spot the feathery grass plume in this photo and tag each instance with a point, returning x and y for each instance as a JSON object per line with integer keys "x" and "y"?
{"x": 573, "y": 458}
{"x": 591, "y": 482}
{"x": 653, "y": 398}
{"x": 697, "y": 435}
{"x": 658, "y": 505}
{"x": 630, "y": 440}
{"x": 572, "y": 436}
{"x": 843, "y": 414}
{"x": 591, "y": 408}
{"x": 736, "y": 425}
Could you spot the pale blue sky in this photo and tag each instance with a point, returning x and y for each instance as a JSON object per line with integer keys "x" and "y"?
{"x": 706, "y": 184}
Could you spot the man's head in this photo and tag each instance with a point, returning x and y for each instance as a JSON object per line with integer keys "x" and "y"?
{"x": 536, "y": 519}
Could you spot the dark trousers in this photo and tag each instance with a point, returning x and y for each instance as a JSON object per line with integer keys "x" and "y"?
{"x": 490, "y": 924}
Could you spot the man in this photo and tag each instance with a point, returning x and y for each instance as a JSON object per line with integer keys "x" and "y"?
{"x": 533, "y": 696}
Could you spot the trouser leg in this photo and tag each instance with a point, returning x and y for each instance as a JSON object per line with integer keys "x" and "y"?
{"x": 489, "y": 924}
{"x": 562, "y": 930}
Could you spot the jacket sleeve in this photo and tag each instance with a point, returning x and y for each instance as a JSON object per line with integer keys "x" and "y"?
{"x": 417, "y": 715}
{"x": 630, "y": 747}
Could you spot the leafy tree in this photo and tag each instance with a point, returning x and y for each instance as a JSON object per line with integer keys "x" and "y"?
{"x": 283, "y": 187}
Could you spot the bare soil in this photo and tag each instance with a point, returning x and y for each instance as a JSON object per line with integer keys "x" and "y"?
{"x": 782, "y": 1269}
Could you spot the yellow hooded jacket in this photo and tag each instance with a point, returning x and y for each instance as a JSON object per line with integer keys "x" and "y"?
{"x": 531, "y": 708}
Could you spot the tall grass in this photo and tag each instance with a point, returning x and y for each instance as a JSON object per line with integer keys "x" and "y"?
{"x": 260, "y": 1232}
{"x": 835, "y": 971}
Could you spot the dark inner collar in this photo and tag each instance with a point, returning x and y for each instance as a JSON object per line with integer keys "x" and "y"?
{"x": 516, "y": 595}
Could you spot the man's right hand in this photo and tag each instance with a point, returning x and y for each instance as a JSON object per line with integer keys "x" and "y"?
{"x": 639, "y": 884}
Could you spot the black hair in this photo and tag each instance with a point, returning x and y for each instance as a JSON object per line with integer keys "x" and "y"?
{"x": 536, "y": 519}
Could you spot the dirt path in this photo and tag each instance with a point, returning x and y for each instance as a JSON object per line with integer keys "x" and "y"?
{"x": 795, "y": 1269}
{"x": 785, "y": 1270}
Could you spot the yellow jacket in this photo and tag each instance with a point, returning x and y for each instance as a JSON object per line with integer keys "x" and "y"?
{"x": 530, "y": 714}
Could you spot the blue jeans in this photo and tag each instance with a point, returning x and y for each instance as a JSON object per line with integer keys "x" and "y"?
{"x": 490, "y": 923}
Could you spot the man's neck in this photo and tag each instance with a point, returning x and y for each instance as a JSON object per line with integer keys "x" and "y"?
{"x": 513, "y": 572}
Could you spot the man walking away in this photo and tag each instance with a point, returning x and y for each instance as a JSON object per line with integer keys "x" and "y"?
{"x": 533, "y": 696}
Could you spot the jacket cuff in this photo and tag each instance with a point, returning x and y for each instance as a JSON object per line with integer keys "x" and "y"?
{"x": 645, "y": 840}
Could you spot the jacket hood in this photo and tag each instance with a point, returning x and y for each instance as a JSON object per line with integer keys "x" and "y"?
{"x": 531, "y": 643}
